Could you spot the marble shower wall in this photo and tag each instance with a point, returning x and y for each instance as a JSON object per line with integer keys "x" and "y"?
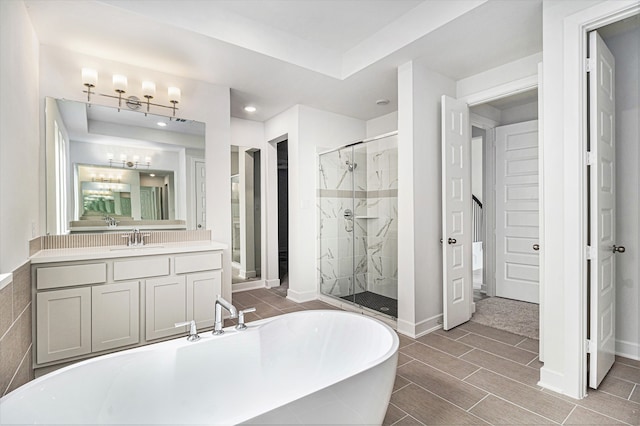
{"x": 370, "y": 191}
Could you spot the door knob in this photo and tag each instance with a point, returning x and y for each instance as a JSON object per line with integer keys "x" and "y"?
{"x": 536, "y": 247}
{"x": 451, "y": 241}
{"x": 619, "y": 249}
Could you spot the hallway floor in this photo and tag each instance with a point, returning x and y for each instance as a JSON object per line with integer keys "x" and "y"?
{"x": 476, "y": 374}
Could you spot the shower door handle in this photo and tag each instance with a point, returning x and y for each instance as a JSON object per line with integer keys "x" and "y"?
{"x": 348, "y": 217}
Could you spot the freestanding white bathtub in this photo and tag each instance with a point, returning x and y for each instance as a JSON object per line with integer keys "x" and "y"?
{"x": 319, "y": 367}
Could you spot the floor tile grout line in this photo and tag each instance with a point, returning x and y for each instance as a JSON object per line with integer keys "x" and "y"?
{"x": 474, "y": 405}
{"x": 535, "y": 387}
{"x": 464, "y": 380}
{"x": 635, "y": 386}
{"x": 442, "y": 371}
{"x": 520, "y": 342}
{"x": 396, "y": 422}
{"x": 518, "y": 405}
{"x": 441, "y": 397}
{"x": 535, "y": 359}
{"x": 575, "y": 406}
{"x": 580, "y": 403}
{"x": 501, "y": 357}
{"x": 602, "y": 414}
{"x": 488, "y": 337}
{"x": 399, "y": 389}
{"x": 531, "y": 411}
{"x": 496, "y": 340}
{"x": 467, "y": 352}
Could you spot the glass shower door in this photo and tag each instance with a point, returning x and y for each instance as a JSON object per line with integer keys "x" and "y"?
{"x": 337, "y": 221}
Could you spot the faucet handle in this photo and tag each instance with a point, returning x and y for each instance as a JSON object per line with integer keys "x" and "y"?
{"x": 193, "y": 332}
{"x": 241, "y": 325}
{"x": 128, "y": 237}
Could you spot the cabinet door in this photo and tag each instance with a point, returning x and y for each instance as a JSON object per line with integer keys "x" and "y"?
{"x": 202, "y": 289}
{"x": 115, "y": 315}
{"x": 63, "y": 324}
{"x": 165, "y": 305}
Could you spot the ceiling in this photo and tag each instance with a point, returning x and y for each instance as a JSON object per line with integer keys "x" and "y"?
{"x": 336, "y": 55}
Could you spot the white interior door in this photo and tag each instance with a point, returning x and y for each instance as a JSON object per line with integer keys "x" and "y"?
{"x": 517, "y": 216}
{"x": 456, "y": 212}
{"x": 602, "y": 210}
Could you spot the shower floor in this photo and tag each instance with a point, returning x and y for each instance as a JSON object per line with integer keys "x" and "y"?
{"x": 377, "y": 302}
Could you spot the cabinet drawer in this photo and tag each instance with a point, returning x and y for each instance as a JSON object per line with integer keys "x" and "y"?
{"x": 198, "y": 262}
{"x": 140, "y": 268}
{"x": 71, "y": 275}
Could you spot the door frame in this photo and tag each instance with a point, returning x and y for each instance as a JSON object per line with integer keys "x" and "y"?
{"x": 574, "y": 99}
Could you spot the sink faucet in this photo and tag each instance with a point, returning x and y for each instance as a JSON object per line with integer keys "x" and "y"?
{"x": 110, "y": 221}
{"x": 221, "y": 303}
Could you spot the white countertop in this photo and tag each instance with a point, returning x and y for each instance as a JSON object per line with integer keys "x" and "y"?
{"x": 110, "y": 252}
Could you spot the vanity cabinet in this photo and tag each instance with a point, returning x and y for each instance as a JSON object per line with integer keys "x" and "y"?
{"x": 166, "y": 304}
{"x": 63, "y": 324}
{"x": 115, "y": 315}
{"x": 88, "y": 307}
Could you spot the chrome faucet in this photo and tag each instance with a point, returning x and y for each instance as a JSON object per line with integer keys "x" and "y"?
{"x": 110, "y": 221}
{"x": 221, "y": 303}
{"x": 135, "y": 238}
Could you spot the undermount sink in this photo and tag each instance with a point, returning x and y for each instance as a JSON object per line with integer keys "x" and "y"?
{"x": 135, "y": 247}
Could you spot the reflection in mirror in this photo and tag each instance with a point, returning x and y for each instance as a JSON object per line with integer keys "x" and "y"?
{"x": 143, "y": 170}
{"x": 245, "y": 214}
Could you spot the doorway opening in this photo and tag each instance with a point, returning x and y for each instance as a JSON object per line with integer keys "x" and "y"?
{"x": 283, "y": 212}
{"x": 505, "y": 213}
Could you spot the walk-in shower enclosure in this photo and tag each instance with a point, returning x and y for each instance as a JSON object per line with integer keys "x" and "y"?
{"x": 358, "y": 224}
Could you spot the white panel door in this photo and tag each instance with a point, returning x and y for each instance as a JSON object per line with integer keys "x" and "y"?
{"x": 456, "y": 212}
{"x": 517, "y": 216}
{"x": 602, "y": 210}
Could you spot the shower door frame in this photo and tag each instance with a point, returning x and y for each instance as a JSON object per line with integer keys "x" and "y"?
{"x": 352, "y": 288}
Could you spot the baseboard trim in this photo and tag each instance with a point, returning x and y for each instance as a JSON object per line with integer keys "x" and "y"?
{"x": 419, "y": 329}
{"x": 551, "y": 380}
{"x": 629, "y": 350}
{"x": 251, "y": 285}
{"x": 301, "y": 296}
{"x": 272, "y": 283}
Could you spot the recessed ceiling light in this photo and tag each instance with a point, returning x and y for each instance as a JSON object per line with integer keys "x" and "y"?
{"x": 250, "y": 108}
{"x": 162, "y": 124}
{"x": 382, "y": 102}
{"x": 152, "y": 174}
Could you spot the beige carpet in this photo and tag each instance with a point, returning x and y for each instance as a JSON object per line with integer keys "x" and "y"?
{"x": 509, "y": 315}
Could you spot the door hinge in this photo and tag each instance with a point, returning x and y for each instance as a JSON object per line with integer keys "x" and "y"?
{"x": 590, "y": 158}
{"x": 589, "y": 346}
{"x": 589, "y": 64}
{"x": 589, "y": 253}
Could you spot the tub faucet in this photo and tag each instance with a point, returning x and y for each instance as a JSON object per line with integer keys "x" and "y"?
{"x": 221, "y": 303}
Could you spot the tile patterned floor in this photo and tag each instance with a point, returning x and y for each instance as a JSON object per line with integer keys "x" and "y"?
{"x": 476, "y": 374}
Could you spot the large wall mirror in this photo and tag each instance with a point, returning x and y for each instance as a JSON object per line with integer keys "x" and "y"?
{"x": 245, "y": 215}
{"x": 113, "y": 169}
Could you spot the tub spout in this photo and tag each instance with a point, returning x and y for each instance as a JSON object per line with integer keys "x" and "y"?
{"x": 221, "y": 303}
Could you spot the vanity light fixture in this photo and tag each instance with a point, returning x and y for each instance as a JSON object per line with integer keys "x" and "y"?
{"x": 161, "y": 124}
{"x": 135, "y": 164}
{"x": 90, "y": 81}
{"x": 250, "y": 108}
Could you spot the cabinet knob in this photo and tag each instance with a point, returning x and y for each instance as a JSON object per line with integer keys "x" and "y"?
{"x": 619, "y": 249}
{"x": 452, "y": 241}
{"x": 536, "y": 247}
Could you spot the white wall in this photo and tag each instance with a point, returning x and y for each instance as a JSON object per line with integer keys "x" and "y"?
{"x": 20, "y": 148}
{"x": 381, "y": 125}
{"x": 507, "y": 75}
{"x": 419, "y": 196}
{"x": 626, "y": 50}
{"x": 205, "y": 102}
{"x": 309, "y": 131}
{"x": 519, "y": 114}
